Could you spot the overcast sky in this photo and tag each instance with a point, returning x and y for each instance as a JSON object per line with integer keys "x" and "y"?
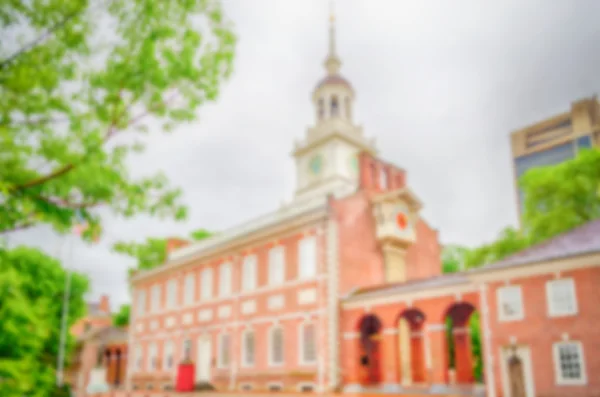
{"x": 440, "y": 84}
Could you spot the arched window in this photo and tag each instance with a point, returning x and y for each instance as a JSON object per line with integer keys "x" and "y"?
{"x": 335, "y": 108}
{"x": 276, "y": 346}
{"x": 348, "y": 108}
{"x": 308, "y": 343}
{"x": 321, "y": 108}
{"x": 248, "y": 349}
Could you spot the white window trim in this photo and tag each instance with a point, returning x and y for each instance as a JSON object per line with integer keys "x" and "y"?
{"x": 271, "y": 352}
{"x": 501, "y": 316}
{"x": 142, "y": 302}
{"x": 168, "y": 343}
{"x": 171, "y": 289}
{"x": 301, "y": 360}
{"x": 277, "y": 252}
{"x": 301, "y": 245}
{"x": 220, "y": 363}
{"x": 552, "y": 312}
{"x": 245, "y": 363}
{"x": 153, "y": 356}
{"x": 225, "y": 289}
{"x": 560, "y": 381}
{"x": 186, "y": 291}
{"x": 252, "y": 285}
{"x": 206, "y": 292}
{"x": 139, "y": 358}
{"x": 155, "y": 298}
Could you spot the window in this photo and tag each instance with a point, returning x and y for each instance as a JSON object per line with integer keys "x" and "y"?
{"x": 510, "y": 303}
{"x": 168, "y": 355}
{"x": 321, "y": 109}
{"x": 248, "y": 347}
{"x": 249, "y": 273}
{"x": 225, "y": 280}
{"x": 584, "y": 142}
{"x": 153, "y": 356}
{"x": 172, "y": 294}
{"x": 308, "y": 339}
{"x": 141, "y": 303}
{"x": 206, "y": 290}
{"x": 276, "y": 346}
{"x": 138, "y": 358}
{"x": 334, "y": 106}
{"x": 383, "y": 178}
{"x": 307, "y": 258}
{"x": 569, "y": 364}
{"x": 187, "y": 349}
{"x": 562, "y": 300}
{"x": 224, "y": 350}
{"x": 276, "y": 265}
{"x": 189, "y": 289}
{"x": 155, "y": 303}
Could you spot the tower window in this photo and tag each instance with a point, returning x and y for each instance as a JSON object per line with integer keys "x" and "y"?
{"x": 334, "y": 106}
{"x": 348, "y": 108}
{"x": 321, "y": 108}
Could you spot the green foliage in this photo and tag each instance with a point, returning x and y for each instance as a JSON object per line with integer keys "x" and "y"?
{"x": 81, "y": 85}
{"x": 148, "y": 255}
{"x": 477, "y": 352}
{"x": 561, "y": 197}
{"x": 453, "y": 258}
{"x": 31, "y": 295}
{"x": 121, "y": 318}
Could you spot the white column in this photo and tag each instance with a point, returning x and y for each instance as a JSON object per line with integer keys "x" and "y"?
{"x": 488, "y": 359}
{"x": 332, "y": 301}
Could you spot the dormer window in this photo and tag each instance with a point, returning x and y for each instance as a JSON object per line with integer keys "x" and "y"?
{"x": 335, "y": 108}
{"x": 321, "y": 109}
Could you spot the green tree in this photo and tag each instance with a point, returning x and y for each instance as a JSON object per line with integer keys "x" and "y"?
{"x": 121, "y": 318}
{"x": 149, "y": 254}
{"x": 84, "y": 85}
{"x": 453, "y": 258}
{"x": 31, "y": 295}
{"x": 561, "y": 197}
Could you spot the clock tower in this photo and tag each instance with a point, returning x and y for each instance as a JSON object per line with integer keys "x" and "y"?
{"x": 327, "y": 158}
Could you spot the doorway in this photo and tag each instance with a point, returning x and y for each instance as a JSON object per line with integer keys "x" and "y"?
{"x": 204, "y": 359}
{"x": 517, "y": 375}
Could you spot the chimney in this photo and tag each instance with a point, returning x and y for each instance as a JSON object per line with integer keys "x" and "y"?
{"x": 104, "y": 305}
{"x": 174, "y": 243}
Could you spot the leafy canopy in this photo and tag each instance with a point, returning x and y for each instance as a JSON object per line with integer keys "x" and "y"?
{"x": 149, "y": 254}
{"x": 558, "y": 198}
{"x": 81, "y": 85}
{"x": 31, "y": 295}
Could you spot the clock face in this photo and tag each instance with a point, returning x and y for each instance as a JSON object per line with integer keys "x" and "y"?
{"x": 402, "y": 221}
{"x": 316, "y": 164}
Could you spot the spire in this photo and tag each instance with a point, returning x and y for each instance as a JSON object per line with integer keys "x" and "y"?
{"x": 332, "y": 62}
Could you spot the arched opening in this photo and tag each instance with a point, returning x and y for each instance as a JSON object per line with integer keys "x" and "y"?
{"x": 369, "y": 348}
{"x": 118, "y": 367}
{"x": 348, "y": 108}
{"x": 335, "y": 106}
{"x": 411, "y": 345}
{"x": 465, "y": 364}
{"x": 321, "y": 109}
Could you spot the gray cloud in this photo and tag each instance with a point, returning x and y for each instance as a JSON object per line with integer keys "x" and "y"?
{"x": 440, "y": 84}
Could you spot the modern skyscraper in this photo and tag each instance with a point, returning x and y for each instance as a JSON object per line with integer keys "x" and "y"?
{"x": 555, "y": 140}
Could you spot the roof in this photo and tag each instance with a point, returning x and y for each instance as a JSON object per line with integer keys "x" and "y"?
{"x": 334, "y": 79}
{"x": 108, "y": 334}
{"x": 445, "y": 280}
{"x": 579, "y": 241}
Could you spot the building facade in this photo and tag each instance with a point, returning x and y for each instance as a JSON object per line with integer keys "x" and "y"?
{"x": 341, "y": 290}
{"x": 555, "y": 139}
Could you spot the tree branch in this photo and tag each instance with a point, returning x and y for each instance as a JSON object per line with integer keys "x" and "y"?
{"x": 59, "y": 25}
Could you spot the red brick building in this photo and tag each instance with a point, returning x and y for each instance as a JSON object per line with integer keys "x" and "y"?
{"x": 342, "y": 289}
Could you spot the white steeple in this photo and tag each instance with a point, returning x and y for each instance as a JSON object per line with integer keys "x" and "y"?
{"x": 327, "y": 159}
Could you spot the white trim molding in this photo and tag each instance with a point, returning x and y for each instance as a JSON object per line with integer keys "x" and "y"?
{"x": 488, "y": 359}
{"x": 559, "y": 377}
